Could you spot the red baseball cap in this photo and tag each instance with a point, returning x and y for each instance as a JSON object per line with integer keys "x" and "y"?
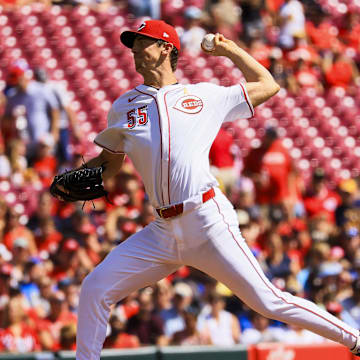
{"x": 70, "y": 245}
{"x": 156, "y": 29}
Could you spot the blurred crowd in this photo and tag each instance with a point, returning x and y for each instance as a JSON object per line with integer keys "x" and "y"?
{"x": 306, "y": 236}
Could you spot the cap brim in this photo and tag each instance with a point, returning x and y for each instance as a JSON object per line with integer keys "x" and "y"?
{"x": 127, "y": 38}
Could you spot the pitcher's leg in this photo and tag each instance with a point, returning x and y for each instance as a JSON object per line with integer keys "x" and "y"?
{"x": 226, "y": 257}
{"x": 123, "y": 271}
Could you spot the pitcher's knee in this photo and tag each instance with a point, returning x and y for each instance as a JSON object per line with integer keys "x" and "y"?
{"x": 274, "y": 307}
{"x": 266, "y": 311}
{"x": 92, "y": 288}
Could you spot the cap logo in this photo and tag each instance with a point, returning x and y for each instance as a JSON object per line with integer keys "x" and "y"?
{"x": 141, "y": 26}
{"x": 189, "y": 104}
{"x": 166, "y": 35}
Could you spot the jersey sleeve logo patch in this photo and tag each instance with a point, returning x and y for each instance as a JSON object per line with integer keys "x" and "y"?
{"x": 189, "y": 104}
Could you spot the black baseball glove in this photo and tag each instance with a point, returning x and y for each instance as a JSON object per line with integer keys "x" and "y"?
{"x": 79, "y": 185}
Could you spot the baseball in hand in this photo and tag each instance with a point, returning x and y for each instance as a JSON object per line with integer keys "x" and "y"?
{"x": 208, "y": 42}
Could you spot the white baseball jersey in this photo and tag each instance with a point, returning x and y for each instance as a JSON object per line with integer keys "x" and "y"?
{"x": 167, "y": 133}
{"x": 143, "y": 122}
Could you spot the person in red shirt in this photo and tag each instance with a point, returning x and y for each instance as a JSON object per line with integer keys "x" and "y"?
{"x": 48, "y": 239}
{"x": 15, "y": 334}
{"x": 339, "y": 70}
{"x": 270, "y": 168}
{"x": 320, "y": 200}
{"x": 222, "y": 160}
{"x": 261, "y": 52}
{"x": 66, "y": 260}
{"x": 14, "y": 230}
{"x": 305, "y": 76}
{"x": 322, "y": 33}
{"x": 350, "y": 32}
{"x": 45, "y": 162}
{"x": 58, "y": 317}
{"x": 118, "y": 338}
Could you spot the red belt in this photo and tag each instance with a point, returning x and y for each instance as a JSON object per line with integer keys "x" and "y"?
{"x": 177, "y": 209}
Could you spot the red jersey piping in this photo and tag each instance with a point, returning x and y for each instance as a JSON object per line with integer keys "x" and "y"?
{"x": 247, "y": 99}
{"x": 161, "y": 149}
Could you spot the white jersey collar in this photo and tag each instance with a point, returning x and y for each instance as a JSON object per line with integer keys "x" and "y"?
{"x": 151, "y": 89}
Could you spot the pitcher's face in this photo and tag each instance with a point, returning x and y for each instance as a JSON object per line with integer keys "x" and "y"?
{"x": 146, "y": 53}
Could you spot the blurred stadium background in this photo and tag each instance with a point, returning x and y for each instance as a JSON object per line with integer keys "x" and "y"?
{"x": 308, "y": 244}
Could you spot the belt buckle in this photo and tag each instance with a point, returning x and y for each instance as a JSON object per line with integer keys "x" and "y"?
{"x": 161, "y": 210}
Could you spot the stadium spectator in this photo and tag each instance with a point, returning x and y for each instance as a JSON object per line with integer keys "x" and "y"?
{"x": 222, "y": 156}
{"x": 225, "y": 18}
{"x": 261, "y": 51}
{"x": 278, "y": 67}
{"x": 272, "y": 171}
{"x": 351, "y": 306}
{"x": 16, "y": 153}
{"x": 252, "y": 19}
{"x": 16, "y": 336}
{"x": 71, "y": 292}
{"x": 305, "y": 75}
{"x": 277, "y": 261}
{"x": 29, "y": 286}
{"x": 320, "y": 200}
{"x": 173, "y": 317}
{"x": 321, "y": 32}
{"x": 58, "y": 317}
{"x": 296, "y": 335}
{"x": 5, "y": 288}
{"x": 340, "y": 70}
{"x": 118, "y": 338}
{"x": 68, "y": 337}
{"x": 147, "y": 325}
{"x": 145, "y": 8}
{"x": 193, "y": 31}
{"x": 350, "y": 31}
{"x": 219, "y": 327}
{"x": 44, "y": 209}
{"x": 3, "y": 219}
{"x": 40, "y": 109}
{"x": 327, "y": 277}
{"x": 44, "y": 162}
{"x": 5, "y": 167}
{"x": 47, "y": 237}
{"x": 163, "y": 294}
{"x": 127, "y": 307}
{"x": 14, "y": 230}
{"x": 292, "y": 23}
{"x": 190, "y": 335}
{"x": 260, "y": 331}
{"x": 68, "y": 125}
{"x": 66, "y": 260}
{"x": 347, "y": 213}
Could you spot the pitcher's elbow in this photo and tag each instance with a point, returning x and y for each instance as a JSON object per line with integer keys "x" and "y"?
{"x": 275, "y": 88}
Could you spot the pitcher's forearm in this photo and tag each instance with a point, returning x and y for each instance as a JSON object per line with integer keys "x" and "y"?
{"x": 260, "y": 84}
{"x": 252, "y": 70}
{"x": 112, "y": 163}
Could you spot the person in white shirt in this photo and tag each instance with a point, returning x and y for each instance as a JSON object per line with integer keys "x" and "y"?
{"x": 193, "y": 33}
{"x": 220, "y": 327}
{"x": 261, "y": 331}
{"x": 292, "y": 23}
{"x": 167, "y": 129}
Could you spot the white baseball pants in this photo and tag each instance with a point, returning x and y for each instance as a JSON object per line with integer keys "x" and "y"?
{"x": 207, "y": 238}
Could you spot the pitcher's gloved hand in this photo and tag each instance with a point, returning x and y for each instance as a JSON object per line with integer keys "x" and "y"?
{"x": 79, "y": 185}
